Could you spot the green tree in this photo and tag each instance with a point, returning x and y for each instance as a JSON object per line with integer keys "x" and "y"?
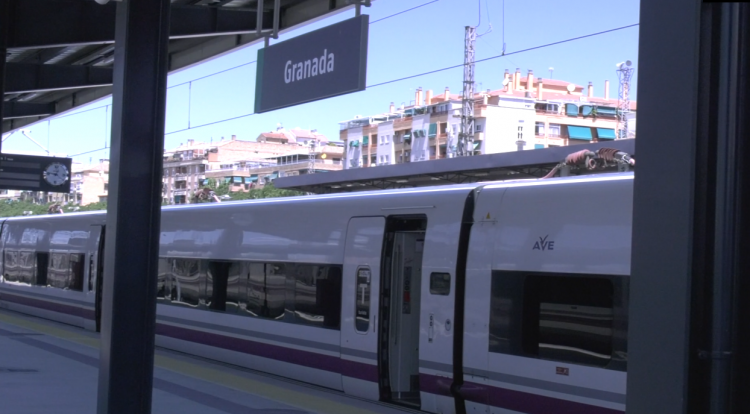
{"x": 268, "y": 191}
{"x": 12, "y": 208}
{"x": 93, "y": 206}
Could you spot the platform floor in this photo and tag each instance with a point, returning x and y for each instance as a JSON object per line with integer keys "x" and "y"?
{"x": 46, "y": 367}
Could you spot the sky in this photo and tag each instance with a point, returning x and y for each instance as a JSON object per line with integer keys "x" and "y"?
{"x": 202, "y": 99}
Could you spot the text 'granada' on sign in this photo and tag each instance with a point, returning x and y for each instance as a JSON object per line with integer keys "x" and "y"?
{"x": 309, "y": 68}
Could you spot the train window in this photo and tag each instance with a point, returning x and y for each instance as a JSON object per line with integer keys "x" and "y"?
{"x": 11, "y": 266}
{"x": 163, "y": 281}
{"x": 26, "y": 267}
{"x": 187, "y": 280}
{"x": 317, "y": 295}
{"x": 236, "y": 285}
{"x": 440, "y": 284}
{"x": 256, "y": 290}
{"x": 275, "y": 283}
{"x": 567, "y": 318}
{"x": 76, "y": 272}
{"x": 362, "y": 295}
{"x": 57, "y": 274}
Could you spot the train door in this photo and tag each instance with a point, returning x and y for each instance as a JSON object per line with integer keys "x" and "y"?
{"x": 95, "y": 270}
{"x": 400, "y": 310}
{"x": 359, "y": 310}
{"x": 403, "y": 301}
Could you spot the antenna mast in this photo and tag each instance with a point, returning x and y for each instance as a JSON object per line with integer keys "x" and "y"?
{"x": 624, "y": 73}
{"x": 466, "y": 136}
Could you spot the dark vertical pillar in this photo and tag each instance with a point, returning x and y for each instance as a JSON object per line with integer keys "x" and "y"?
{"x": 688, "y": 336}
{"x": 134, "y": 208}
{"x": 4, "y": 33}
{"x": 740, "y": 366}
{"x": 663, "y": 207}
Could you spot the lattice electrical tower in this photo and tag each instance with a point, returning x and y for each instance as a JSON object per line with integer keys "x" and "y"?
{"x": 624, "y": 73}
{"x": 466, "y": 136}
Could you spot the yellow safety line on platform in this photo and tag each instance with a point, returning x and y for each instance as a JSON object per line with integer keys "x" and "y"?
{"x": 296, "y": 399}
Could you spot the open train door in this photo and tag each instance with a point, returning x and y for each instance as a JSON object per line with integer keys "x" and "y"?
{"x": 96, "y": 270}
{"x": 359, "y": 310}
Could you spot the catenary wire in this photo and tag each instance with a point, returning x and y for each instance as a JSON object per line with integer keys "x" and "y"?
{"x": 240, "y": 65}
{"x": 424, "y": 73}
{"x": 403, "y": 11}
{"x": 506, "y": 54}
{"x": 444, "y": 69}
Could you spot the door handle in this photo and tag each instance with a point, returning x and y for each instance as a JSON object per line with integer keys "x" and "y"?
{"x": 431, "y": 329}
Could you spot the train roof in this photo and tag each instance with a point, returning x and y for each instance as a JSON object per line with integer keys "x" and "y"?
{"x": 362, "y": 194}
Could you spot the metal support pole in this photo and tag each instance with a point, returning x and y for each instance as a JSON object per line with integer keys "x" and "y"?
{"x": 276, "y": 18}
{"x": 134, "y": 208}
{"x": 259, "y": 19}
{"x": 466, "y": 136}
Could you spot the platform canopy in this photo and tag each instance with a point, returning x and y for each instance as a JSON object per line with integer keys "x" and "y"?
{"x": 60, "y": 53}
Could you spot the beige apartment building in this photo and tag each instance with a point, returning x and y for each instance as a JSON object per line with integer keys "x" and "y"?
{"x": 247, "y": 164}
{"x": 185, "y": 167}
{"x": 527, "y": 113}
{"x": 89, "y": 183}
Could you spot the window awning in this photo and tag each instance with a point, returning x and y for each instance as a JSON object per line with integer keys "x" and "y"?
{"x": 586, "y": 110}
{"x": 252, "y": 178}
{"x": 433, "y": 131}
{"x": 571, "y": 109}
{"x": 237, "y": 179}
{"x": 272, "y": 176}
{"x": 476, "y": 145}
{"x": 606, "y": 111}
{"x": 354, "y": 143}
{"x": 577, "y": 132}
{"x": 605, "y": 133}
{"x": 538, "y": 146}
{"x": 365, "y": 140}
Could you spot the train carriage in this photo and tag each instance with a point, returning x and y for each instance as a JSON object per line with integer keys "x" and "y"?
{"x": 495, "y": 297}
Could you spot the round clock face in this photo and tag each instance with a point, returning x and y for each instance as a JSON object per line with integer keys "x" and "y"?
{"x": 56, "y": 174}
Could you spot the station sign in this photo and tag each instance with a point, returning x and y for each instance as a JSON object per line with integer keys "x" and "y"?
{"x": 327, "y": 62}
{"x": 35, "y": 173}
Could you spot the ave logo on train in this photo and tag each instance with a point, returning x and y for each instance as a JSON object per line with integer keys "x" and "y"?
{"x": 543, "y": 244}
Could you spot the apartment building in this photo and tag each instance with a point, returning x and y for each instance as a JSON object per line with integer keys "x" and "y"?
{"x": 247, "y": 164}
{"x": 527, "y": 113}
{"x": 185, "y": 167}
{"x": 89, "y": 183}
{"x": 246, "y": 175}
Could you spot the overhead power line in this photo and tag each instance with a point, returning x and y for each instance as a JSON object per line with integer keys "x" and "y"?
{"x": 242, "y": 64}
{"x": 417, "y": 75}
{"x": 403, "y": 11}
{"x": 505, "y": 54}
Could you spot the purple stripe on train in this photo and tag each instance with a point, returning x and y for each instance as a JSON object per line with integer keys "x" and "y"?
{"x": 279, "y": 353}
{"x": 73, "y": 310}
{"x": 499, "y": 397}
{"x": 523, "y": 402}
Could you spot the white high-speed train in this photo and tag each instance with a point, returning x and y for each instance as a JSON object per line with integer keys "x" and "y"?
{"x": 496, "y": 297}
